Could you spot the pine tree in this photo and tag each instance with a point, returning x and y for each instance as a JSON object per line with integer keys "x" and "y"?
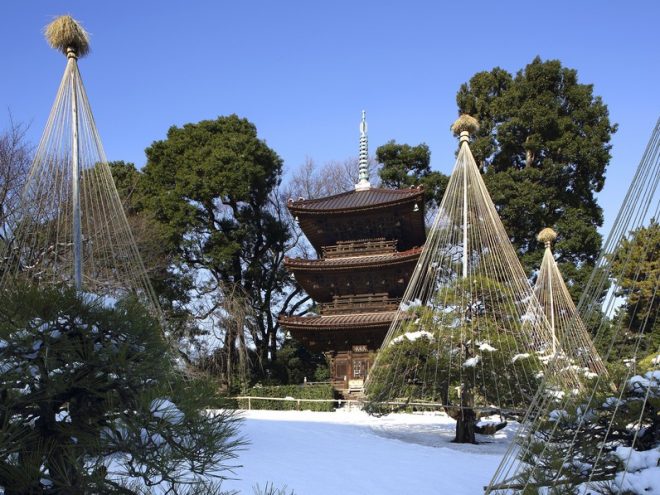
{"x": 637, "y": 265}
{"x": 90, "y": 402}
{"x": 456, "y": 363}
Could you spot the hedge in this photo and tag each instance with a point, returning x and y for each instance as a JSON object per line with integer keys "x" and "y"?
{"x": 323, "y": 391}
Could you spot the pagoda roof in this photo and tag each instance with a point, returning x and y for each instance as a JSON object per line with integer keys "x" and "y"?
{"x": 353, "y": 262}
{"x": 351, "y": 201}
{"x": 338, "y": 322}
{"x": 390, "y": 214}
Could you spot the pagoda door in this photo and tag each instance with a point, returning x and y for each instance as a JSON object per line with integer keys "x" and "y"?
{"x": 360, "y": 368}
{"x": 342, "y": 370}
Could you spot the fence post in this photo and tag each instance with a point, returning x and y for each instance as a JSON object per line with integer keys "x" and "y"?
{"x": 249, "y": 403}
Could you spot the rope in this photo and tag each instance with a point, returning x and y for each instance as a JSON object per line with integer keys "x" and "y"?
{"x": 41, "y": 248}
{"x": 470, "y": 331}
{"x": 521, "y": 466}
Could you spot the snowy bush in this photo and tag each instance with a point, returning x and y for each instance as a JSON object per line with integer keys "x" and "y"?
{"x": 600, "y": 445}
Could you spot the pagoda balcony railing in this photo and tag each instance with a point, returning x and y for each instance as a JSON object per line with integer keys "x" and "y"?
{"x": 358, "y": 248}
{"x": 363, "y": 303}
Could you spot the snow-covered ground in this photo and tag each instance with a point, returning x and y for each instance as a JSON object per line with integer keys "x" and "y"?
{"x": 350, "y": 452}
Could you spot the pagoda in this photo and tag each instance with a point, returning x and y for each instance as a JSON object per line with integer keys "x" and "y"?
{"x": 368, "y": 241}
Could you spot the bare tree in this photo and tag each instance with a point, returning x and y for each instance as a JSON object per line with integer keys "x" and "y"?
{"x": 15, "y": 158}
{"x": 311, "y": 181}
{"x": 231, "y": 325}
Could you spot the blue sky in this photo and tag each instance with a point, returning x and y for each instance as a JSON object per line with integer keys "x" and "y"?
{"x": 302, "y": 71}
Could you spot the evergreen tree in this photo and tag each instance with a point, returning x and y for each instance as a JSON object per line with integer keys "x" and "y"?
{"x": 171, "y": 285}
{"x": 543, "y": 146}
{"x": 456, "y": 363}
{"x": 211, "y": 188}
{"x": 406, "y": 166}
{"x": 90, "y": 402}
{"x": 595, "y": 439}
{"x": 637, "y": 265}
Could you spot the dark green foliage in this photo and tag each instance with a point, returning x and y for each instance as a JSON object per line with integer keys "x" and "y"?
{"x": 212, "y": 396}
{"x": 406, "y": 166}
{"x": 83, "y": 385}
{"x": 470, "y": 319}
{"x": 636, "y": 266}
{"x": 544, "y": 148}
{"x": 211, "y": 189}
{"x": 171, "y": 286}
{"x": 322, "y": 391}
{"x": 418, "y": 363}
{"x": 568, "y": 443}
{"x": 295, "y": 364}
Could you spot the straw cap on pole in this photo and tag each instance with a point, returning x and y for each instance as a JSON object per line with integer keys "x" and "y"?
{"x": 465, "y": 123}
{"x": 66, "y": 34}
{"x": 547, "y": 236}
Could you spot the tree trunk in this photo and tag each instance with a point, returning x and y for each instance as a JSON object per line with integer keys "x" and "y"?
{"x": 529, "y": 158}
{"x": 466, "y": 422}
{"x": 465, "y": 426}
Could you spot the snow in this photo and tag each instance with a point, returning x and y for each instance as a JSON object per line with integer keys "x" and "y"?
{"x": 166, "y": 410}
{"x": 554, "y": 394}
{"x": 612, "y": 402}
{"x": 405, "y": 306}
{"x": 642, "y": 471}
{"x": 636, "y": 460}
{"x": 352, "y": 453}
{"x": 639, "y": 384}
{"x": 413, "y": 336}
{"x": 519, "y": 356}
{"x": 557, "y": 415}
{"x": 485, "y": 346}
{"x": 472, "y": 362}
{"x": 645, "y": 482}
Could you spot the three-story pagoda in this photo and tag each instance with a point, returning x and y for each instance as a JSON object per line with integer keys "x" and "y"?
{"x": 368, "y": 241}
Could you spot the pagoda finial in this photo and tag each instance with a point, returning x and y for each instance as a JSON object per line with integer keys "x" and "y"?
{"x": 363, "y": 177}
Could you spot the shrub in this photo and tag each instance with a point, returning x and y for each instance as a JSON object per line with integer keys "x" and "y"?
{"x": 294, "y": 364}
{"x": 323, "y": 391}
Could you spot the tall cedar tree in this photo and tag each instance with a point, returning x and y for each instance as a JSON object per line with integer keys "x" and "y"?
{"x": 211, "y": 187}
{"x": 406, "y": 166}
{"x": 544, "y": 148}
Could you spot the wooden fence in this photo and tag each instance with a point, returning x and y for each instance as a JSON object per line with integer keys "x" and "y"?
{"x": 350, "y": 403}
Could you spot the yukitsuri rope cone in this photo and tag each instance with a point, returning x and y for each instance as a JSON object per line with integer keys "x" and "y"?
{"x": 575, "y": 444}
{"x": 566, "y": 326}
{"x": 469, "y": 333}
{"x": 70, "y": 228}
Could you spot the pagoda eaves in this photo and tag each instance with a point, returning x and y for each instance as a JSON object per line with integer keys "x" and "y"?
{"x": 325, "y": 278}
{"x": 373, "y": 213}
